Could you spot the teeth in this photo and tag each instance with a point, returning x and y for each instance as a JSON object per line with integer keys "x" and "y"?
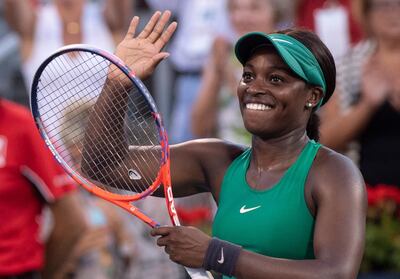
{"x": 254, "y": 106}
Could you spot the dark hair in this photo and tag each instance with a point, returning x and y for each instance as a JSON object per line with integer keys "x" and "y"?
{"x": 327, "y": 64}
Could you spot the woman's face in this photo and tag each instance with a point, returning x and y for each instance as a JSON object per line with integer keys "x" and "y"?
{"x": 69, "y": 4}
{"x": 384, "y": 19}
{"x": 272, "y": 99}
{"x": 251, "y": 15}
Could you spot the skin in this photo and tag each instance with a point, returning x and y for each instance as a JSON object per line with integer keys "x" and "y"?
{"x": 245, "y": 16}
{"x": 334, "y": 189}
{"x": 68, "y": 217}
{"x": 21, "y": 17}
{"x": 379, "y": 82}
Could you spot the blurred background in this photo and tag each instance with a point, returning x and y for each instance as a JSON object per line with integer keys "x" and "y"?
{"x": 362, "y": 120}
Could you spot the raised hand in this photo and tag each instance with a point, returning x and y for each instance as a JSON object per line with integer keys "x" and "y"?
{"x": 143, "y": 52}
{"x": 375, "y": 85}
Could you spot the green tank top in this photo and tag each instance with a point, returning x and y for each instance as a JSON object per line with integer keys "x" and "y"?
{"x": 275, "y": 222}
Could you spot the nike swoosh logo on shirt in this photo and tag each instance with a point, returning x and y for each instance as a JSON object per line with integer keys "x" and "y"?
{"x": 245, "y": 210}
{"x": 221, "y": 260}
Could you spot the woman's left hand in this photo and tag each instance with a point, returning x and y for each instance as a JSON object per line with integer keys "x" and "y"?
{"x": 143, "y": 52}
{"x": 184, "y": 245}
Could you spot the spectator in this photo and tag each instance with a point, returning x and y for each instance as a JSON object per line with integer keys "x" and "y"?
{"x": 332, "y": 20}
{"x": 105, "y": 249}
{"x": 30, "y": 179}
{"x": 216, "y": 112}
{"x": 199, "y": 23}
{"x": 45, "y": 27}
{"x": 366, "y": 109}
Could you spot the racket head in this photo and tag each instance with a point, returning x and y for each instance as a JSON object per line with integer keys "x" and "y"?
{"x": 67, "y": 74}
{"x": 55, "y": 139}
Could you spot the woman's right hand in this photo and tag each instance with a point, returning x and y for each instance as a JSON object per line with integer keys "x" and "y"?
{"x": 376, "y": 84}
{"x": 142, "y": 53}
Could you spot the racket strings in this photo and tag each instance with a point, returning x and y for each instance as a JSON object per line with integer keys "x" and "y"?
{"x": 115, "y": 155}
{"x": 67, "y": 93}
{"x": 146, "y": 160}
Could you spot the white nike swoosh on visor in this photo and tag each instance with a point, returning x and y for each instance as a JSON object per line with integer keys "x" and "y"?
{"x": 244, "y": 209}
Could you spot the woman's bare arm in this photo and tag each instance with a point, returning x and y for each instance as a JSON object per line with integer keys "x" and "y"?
{"x": 338, "y": 192}
{"x": 339, "y": 128}
{"x": 117, "y": 14}
{"x": 205, "y": 109}
{"x": 105, "y": 146}
{"x": 340, "y": 198}
{"x": 20, "y": 15}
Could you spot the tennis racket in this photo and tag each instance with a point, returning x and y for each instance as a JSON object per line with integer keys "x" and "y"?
{"x": 103, "y": 127}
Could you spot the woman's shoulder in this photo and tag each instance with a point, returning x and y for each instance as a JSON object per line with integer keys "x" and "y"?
{"x": 329, "y": 160}
{"x": 335, "y": 170}
{"x": 336, "y": 182}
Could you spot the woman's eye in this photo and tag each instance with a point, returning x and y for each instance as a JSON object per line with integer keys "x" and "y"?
{"x": 275, "y": 78}
{"x": 247, "y": 76}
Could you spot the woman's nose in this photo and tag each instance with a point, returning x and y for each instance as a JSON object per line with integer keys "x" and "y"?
{"x": 256, "y": 87}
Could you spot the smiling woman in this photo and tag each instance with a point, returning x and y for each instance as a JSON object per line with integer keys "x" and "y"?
{"x": 283, "y": 210}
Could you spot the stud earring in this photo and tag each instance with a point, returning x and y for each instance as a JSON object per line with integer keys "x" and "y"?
{"x": 309, "y": 105}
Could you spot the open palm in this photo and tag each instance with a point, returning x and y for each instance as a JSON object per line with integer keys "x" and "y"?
{"x": 143, "y": 52}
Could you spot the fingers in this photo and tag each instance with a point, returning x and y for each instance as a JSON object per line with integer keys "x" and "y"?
{"x": 132, "y": 27}
{"x": 159, "y": 28}
{"x": 162, "y": 231}
{"x": 148, "y": 29}
{"x": 158, "y": 58}
{"x": 166, "y": 35}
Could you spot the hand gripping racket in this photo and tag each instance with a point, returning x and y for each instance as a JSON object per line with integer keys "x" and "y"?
{"x": 103, "y": 127}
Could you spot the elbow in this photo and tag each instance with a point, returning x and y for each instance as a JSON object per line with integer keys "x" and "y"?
{"x": 344, "y": 274}
{"x": 342, "y": 271}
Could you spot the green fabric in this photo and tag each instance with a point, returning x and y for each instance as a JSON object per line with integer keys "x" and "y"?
{"x": 296, "y": 55}
{"x": 280, "y": 225}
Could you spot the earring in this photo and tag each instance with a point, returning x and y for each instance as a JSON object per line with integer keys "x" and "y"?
{"x": 309, "y": 105}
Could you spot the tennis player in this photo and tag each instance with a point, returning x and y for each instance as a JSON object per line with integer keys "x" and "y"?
{"x": 288, "y": 207}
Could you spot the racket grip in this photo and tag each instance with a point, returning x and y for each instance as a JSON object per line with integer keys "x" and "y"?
{"x": 198, "y": 273}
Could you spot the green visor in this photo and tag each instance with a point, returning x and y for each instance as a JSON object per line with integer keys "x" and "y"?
{"x": 296, "y": 55}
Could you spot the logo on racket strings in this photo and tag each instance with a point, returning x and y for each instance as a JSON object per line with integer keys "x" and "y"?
{"x": 134, "y": 175}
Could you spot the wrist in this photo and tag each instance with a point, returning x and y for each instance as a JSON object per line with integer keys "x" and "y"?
{"x": 221, "y": 256}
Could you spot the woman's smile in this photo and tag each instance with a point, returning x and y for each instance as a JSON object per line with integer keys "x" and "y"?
{"x": 257, "y": 106}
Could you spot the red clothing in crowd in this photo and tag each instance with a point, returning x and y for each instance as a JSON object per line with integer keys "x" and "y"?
{"x": 305, "y": 16}
{"x": 29, "y": 178}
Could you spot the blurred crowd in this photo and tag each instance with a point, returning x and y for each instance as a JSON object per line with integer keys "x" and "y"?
{"x": 67, "y": 233}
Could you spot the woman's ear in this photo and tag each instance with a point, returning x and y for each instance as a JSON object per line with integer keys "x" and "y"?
{"x": 315, "y": 96}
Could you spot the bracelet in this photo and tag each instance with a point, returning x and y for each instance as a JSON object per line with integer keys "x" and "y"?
{"x": 221, "y": 256}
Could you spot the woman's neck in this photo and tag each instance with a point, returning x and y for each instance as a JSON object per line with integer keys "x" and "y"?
{"x": 278, "y": 153}
{"x": 71, "y": 22}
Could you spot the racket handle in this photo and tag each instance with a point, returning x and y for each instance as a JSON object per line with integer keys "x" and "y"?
{"x": 198, "y": 273}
